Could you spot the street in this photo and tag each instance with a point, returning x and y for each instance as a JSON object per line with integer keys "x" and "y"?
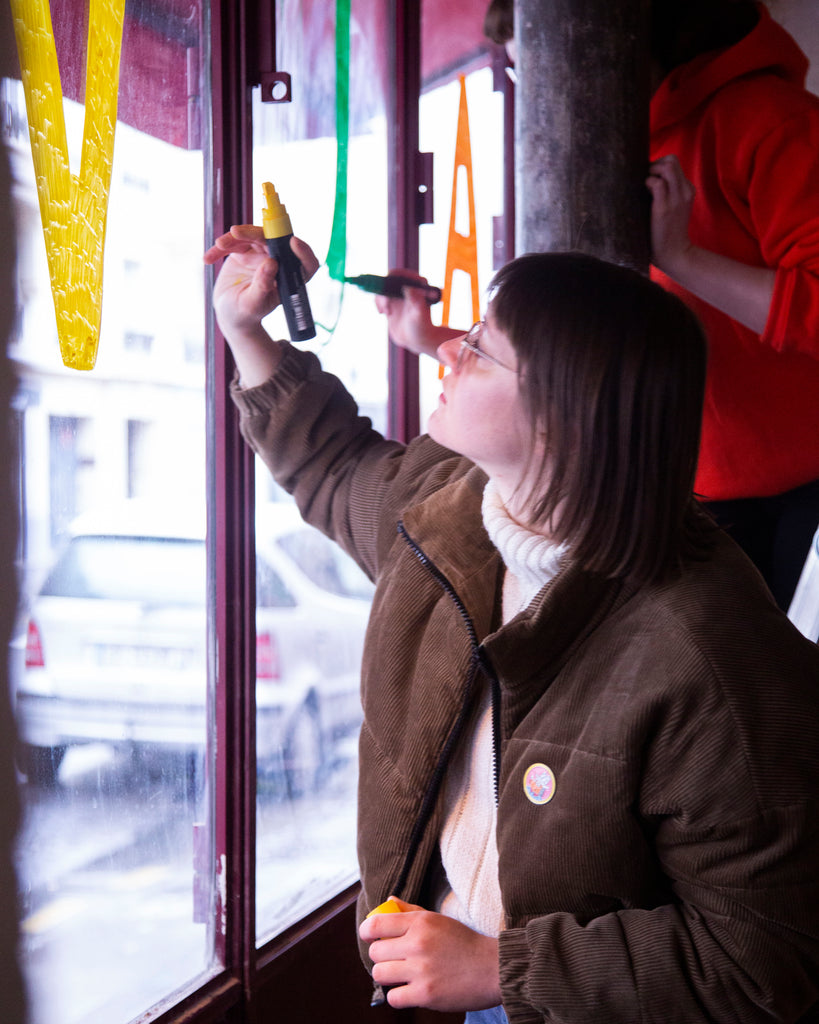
{"x": 105, "y": 870}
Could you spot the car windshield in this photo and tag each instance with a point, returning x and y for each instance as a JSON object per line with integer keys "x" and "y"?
{"x": 146, "y": 569}
{"x": 325, "y": 564}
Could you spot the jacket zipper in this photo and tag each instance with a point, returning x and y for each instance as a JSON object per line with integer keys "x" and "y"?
{"x": 479, "y": 663}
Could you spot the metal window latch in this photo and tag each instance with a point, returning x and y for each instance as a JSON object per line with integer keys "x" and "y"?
{"x": 276, "y": 87}
{"x": 424, "y": 198}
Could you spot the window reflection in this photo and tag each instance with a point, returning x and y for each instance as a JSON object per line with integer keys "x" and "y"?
{"x": 325, "y": 564}
{"x": 307, "y": 774}
{"x": 308, "y": 658}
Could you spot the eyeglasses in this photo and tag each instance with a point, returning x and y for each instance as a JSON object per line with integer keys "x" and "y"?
{"x": 469, "y": 343}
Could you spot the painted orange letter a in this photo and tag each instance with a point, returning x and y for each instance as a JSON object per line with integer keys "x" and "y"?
{"x": 462, "y": 250}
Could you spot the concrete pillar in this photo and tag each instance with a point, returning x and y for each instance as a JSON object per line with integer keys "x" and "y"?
{"x": 581, "y": 127}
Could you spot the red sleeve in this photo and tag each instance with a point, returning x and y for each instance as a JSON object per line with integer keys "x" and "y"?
{"x": 784, "y": 205}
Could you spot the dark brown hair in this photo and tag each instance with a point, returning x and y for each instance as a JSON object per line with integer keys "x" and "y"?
{"x": 498, "y": 22}
{"x": 680, "y": 29}
{"x": 684, "y": 29}
{"x": 612, "y": 371}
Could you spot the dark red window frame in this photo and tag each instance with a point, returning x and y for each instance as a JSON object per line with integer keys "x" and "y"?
{"x": 278, "y": 981}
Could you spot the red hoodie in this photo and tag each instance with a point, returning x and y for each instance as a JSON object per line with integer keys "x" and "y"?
{"x": 747, "y": 136}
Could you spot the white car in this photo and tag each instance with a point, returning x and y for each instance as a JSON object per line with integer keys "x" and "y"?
{"x": 116, "y": 643}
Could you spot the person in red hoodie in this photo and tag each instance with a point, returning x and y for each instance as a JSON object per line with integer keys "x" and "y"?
{"x": 735, "y": 231}
{"x": 735, "y": 228}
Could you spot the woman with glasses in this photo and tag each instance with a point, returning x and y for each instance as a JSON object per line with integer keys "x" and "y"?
{"x": 589, "y": 753}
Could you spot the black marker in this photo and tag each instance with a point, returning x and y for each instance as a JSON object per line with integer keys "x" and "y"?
{"x": 393, "y": 285}
{"x": 290, "y": 279}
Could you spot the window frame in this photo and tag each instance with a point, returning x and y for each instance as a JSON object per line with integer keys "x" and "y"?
{"x": 278, "y": 977}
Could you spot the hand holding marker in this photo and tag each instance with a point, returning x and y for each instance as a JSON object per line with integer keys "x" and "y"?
{"x": 389, "y": 906}
{"x": 278, "y": 231}
{"x": 393, "y": 285}
{"x": 290, "y": 280}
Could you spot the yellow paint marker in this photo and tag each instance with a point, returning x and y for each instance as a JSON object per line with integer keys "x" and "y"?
{"x": 390, "y": 906}
{"x": 290, "y": 279}
{"x": 387, "y": 907}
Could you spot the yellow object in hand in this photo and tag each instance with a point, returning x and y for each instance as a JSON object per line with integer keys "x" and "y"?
{"x": 73, "y": 207}
{"x": 387, "y": 907}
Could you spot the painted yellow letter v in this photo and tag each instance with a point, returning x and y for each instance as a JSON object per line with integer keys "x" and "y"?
{"x": 73, "y": 208}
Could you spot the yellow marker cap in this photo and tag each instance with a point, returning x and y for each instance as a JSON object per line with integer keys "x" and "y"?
{"x": 387, "y": 907}
{"x": 275, "y": 218}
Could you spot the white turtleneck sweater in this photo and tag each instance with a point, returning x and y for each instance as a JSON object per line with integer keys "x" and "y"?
{"x": 469, "y": 850}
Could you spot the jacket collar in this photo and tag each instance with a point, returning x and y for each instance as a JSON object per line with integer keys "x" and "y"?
{"x": 448, "y": 528}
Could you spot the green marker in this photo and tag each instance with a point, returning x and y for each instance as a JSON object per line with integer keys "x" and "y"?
{"x": 393, "y": 285}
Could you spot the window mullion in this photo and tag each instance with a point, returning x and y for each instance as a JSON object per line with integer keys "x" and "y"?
{"x": 232, "y": 525}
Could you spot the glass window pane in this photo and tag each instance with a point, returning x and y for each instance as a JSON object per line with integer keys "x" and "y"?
{"x": 308, "y": 656}
{"x": 109, "y": 664}
{"x": 438, "y": 125}
{"x": 453, "y": 46}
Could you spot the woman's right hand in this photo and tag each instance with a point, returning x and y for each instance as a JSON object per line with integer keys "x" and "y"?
{"x": 408, "y": 319}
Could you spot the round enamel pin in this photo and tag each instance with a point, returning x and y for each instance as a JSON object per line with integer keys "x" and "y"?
{"x": 539, "y": 783}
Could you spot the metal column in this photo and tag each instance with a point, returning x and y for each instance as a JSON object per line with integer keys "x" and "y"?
{"x": 581, "y": 127}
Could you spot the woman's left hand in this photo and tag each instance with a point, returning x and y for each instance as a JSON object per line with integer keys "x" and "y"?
{"x": 429, "y": 960}
{"x": 408, "y": 320}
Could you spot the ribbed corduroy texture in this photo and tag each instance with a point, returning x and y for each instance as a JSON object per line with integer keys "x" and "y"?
{"x": 673, "y": 875}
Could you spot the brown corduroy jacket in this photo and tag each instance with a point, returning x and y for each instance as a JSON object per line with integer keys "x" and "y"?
{"x": 657, "y": 748}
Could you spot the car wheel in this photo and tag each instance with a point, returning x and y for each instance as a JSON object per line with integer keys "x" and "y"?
{"x": 304, "y": 749}
{"x": 41, "y": 765}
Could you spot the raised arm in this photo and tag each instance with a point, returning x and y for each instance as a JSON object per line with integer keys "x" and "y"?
{"x": 245, "y": 292}
{"x": 409, "y": 322}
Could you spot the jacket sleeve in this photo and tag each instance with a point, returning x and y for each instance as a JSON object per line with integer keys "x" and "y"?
{"x": 784, "y": 204}
{"x": 718, "y": 954}
{"x": 347, "y": 480}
